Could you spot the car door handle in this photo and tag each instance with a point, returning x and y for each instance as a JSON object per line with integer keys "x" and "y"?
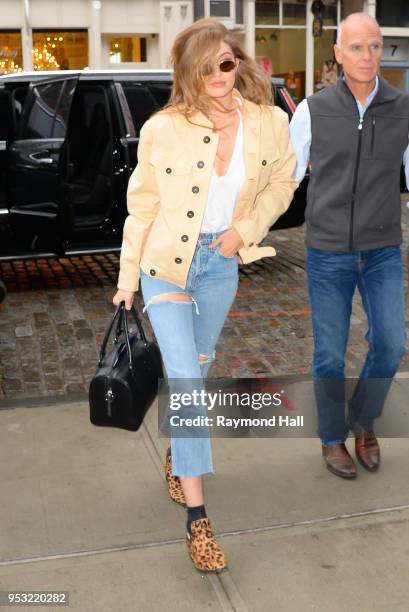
{"x": 43, "y": 161}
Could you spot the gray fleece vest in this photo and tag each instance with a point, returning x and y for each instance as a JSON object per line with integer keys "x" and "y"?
{"x": 353, "y": 200}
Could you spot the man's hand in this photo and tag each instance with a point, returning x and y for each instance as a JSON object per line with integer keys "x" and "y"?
{"x": 124, "y": 296}
{"x": 230, "y": 242}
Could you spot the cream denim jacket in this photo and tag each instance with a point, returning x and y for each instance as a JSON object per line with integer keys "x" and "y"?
{"x": 167, "y": 191}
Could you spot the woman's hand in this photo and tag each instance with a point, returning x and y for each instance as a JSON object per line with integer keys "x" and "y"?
{"x": 124, "y": 296}
{"x": 230, "y": 242}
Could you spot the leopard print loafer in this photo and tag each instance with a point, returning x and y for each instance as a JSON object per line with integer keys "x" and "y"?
{"x": 174, "y": 484}
{"x": 203, "y": 548}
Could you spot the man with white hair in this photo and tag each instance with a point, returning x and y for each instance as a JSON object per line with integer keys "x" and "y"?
{"x": 354, "y": 136}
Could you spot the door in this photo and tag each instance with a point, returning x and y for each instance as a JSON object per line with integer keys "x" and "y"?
{"x": 6, "y": 131}
{"x": 34, "y": 163}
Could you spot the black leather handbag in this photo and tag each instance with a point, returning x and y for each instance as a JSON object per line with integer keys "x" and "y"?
{"x": 126, "y": 380}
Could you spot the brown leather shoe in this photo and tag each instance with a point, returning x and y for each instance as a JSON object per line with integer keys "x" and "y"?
{"x": 367, "y": 450}
{"x": 339, "y": 461}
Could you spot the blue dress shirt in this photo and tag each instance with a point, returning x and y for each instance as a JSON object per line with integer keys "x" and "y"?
{"x": 300, "y": 132}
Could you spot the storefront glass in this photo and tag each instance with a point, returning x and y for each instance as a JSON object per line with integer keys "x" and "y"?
{"x": 398, "y": 77}
{"x": 325, "y": 67}
{"x": 127, "y": 49}
{"x": 330, "y": 13}
{"x": 295, "y": 12}
{"x": 281, "y": 52}
{"x": 267, "y": 12}
{"x": 351, "y": 6}
{"x": 393, "y": 13}
{"x": 60, "y": 50}
{"x": 219, "y": 8}
{"x": 11, "y": 59}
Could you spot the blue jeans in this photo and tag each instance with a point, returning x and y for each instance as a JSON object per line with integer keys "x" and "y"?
{"x": 187, "y": 330}
{"x": 332, "y": 280}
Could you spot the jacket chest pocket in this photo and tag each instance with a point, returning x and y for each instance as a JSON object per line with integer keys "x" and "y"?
{"x": 386, "y": 137}
{"x": 172, "y": 175}
{"x": 268, "y": 159}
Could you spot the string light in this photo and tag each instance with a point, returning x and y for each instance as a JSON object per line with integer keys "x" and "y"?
{"x": 7, "y": 61}
{"x": 44, "y": 54}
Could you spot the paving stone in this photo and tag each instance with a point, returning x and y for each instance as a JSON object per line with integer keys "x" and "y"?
{"x": 267, "y": 333}
{"x": 23, "y": 331}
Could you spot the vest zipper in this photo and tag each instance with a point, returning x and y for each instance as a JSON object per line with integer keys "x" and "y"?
{"x": 358, "y": 159}
{"x": 373, "y": 135}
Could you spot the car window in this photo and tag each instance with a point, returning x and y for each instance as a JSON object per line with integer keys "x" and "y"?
{"x": 141, "y": 103}
{"x": 6, "y": 115}
{"x": 48, "y": 115}
{"x": 160, "y": 91}
{"x": 18, "y": 96}
{"x": 40, "y": 119}
{"x": 63, "y": 110}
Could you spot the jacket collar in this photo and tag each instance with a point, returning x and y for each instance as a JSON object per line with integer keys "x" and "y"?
{"x": 385, "y": 93}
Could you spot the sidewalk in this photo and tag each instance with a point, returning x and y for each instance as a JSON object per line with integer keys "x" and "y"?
{"x": 86, "y": 510}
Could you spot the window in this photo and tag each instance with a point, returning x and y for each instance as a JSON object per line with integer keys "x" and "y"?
{"x": 330, "y": 13}
{"x": 141, "y": 103}
{"x": 127, "y": 49}
{"x": 393, "y": 13}
{"x": 11, "y": 59}
{"x": 326, "y": 69}
{"x": 144, "y": 99}
{"x": 198, "y": 9}
{"x": 6, "y": 115}
{"x": 60, "y": 50}
{"x": 239, "y": 12}
{"x": 49, "y": 110}
{"x": 219, "y": 8}
{"x": 295, "y": 12}
{"x": 281, "y": 52}
{"x": 267, "y": 12}
{"x": 161, "y": 92}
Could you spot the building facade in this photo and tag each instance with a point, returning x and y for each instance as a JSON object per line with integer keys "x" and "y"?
{"x": 77, "y": 34}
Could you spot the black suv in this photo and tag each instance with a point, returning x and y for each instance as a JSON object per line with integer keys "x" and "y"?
{"x": 68, "y": 143}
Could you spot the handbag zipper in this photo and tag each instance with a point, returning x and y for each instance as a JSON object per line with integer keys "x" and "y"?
{"x": 109, "y": 396}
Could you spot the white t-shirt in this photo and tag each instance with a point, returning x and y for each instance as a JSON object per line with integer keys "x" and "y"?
{"x": 223, "y": 190}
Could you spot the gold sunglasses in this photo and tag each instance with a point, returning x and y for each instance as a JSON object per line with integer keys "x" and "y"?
{"x": 226, "y": 65}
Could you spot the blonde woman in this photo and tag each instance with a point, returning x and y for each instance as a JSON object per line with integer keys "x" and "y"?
{"x": 214, "y": 173}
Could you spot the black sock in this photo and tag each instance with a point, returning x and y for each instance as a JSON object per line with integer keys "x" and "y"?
{"x": 194, "y": 513}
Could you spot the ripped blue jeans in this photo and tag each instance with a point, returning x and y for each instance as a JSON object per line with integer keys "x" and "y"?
{"x": 187, "y": 333}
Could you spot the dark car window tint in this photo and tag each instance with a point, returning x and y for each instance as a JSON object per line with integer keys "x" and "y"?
{"x": 18, "y": 97}
{"x": 61, "y": 117}
{"x": 6, "y": 116}
{"x": 161, "y": 92}
{"x": 39, "y": 122}
{"x": 141, "y": 103}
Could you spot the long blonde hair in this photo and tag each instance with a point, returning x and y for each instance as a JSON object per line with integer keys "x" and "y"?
{"x": 192, "y": 49}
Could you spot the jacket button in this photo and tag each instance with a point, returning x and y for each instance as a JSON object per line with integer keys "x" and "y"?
{"x": 190, "y": 214}
{"x": 184, "y": 238}
{"x": 195, "y": 189}
{"x": 168, "y": 170}
{"x": 206, "y": 139}
{"x": 200, "y": 164}
{"x": 264, "y": 162}
{"x": 178, "y": 260}
{"x": 152, "y": 272}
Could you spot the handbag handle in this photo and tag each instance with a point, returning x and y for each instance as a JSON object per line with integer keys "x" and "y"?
{"x": 122, "y": 316}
